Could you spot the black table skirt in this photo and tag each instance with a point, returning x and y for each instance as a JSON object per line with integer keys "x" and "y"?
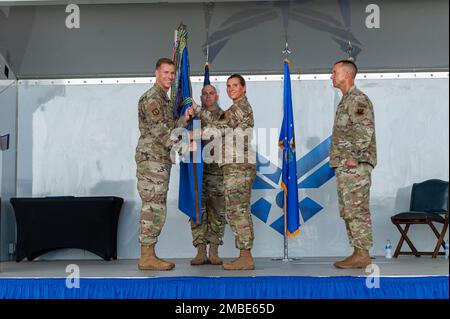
{"x": 46, "y": 224}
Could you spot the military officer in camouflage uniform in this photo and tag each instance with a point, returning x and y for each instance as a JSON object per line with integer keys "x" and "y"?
{"x": 153, "y": 161}
{"x": 238, "y": 165}
{"x": 353, "y": 157}
{"x": 211, "y": 230}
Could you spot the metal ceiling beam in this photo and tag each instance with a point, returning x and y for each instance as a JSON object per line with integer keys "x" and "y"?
{"x": 66, "y": 2}
{"x": 5, "y": 70}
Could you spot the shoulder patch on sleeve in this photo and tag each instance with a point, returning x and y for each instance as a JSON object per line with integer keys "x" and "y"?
{"x": 360, "y": 111}
{"x": 154, "y": 110}
{"x": 361, "y": 108}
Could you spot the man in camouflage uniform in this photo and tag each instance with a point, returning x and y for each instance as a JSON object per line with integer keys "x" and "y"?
{"x": 238, "y": 165}
{"x": 153, "y": 161}
{"x": 353, "y": 157}
{"x": 211, "y": 230}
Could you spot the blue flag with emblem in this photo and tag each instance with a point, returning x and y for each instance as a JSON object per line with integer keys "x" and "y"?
{"x": 191, "y": 171}
{"x": 289, "y": 172}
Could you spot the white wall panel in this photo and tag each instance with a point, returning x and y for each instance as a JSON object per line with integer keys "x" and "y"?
{"x": 8, "y": 115}
{"x": 80, "y": 140}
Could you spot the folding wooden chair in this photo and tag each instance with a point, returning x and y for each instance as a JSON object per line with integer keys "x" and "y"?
{"x": 429, "y": 205}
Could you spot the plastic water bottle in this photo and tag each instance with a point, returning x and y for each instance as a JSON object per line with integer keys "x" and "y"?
{"x": 388, "y": 250}
{"x": 446, "y": 250}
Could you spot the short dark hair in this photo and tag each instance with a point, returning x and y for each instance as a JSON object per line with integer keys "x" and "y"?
{"x": 162, "y": 61}
{"x": 349, "y": 63}
{"x": 237, "y": 76}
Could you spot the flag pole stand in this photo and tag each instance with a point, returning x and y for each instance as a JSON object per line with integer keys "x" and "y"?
{"x": 285, "y": 257}
{"x": 285, "y": 243}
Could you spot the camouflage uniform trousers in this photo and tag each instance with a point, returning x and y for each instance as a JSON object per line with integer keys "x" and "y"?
{"x": 238, "y": 180}
{"x": 212, "y": 228}
{"x": 153, "y": 185}
{"x": 354, "y": 193}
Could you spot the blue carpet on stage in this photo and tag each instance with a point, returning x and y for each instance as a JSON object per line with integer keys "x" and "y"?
{"x": 228, "y": 288}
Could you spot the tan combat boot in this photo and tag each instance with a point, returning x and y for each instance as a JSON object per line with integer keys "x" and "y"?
{"x": 360, "y": 259}
{"x": 201, "y": 258}
{"x": 214, "y": 258}
{"x": 336, "y": 264}
{"x": 244, "y": 262}
{"x": 149, "y": 260}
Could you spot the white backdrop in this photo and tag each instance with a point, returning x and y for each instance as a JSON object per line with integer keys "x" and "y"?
{"x": 8, "y": 115}
{"x": 80, "y": 140}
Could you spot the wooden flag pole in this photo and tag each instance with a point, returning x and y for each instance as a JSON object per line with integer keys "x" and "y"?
{"x": 197, "y": 211}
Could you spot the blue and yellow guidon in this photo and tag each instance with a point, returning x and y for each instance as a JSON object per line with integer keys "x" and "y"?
{"x": 289, "y": 170}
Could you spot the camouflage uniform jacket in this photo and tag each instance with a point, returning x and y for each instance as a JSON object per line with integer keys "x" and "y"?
{"x": 212, "y": 168}
{"x": 156, "y": 122}
{"x": 354, "y": 130}
{"x": 239, "y": 117}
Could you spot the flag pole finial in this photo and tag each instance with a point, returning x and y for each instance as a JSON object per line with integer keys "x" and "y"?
{"x": 349, "y": 51}
{"x": 286, "y": 52}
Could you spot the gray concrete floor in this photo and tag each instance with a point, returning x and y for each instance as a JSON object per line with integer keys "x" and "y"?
{"x": 404, "y": 266}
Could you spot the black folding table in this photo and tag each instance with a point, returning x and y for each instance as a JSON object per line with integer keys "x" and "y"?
{"x": 50, "y": 223}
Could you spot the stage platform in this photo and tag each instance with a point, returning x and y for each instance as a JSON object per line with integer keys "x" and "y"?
{"x": 308, "y": 278}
